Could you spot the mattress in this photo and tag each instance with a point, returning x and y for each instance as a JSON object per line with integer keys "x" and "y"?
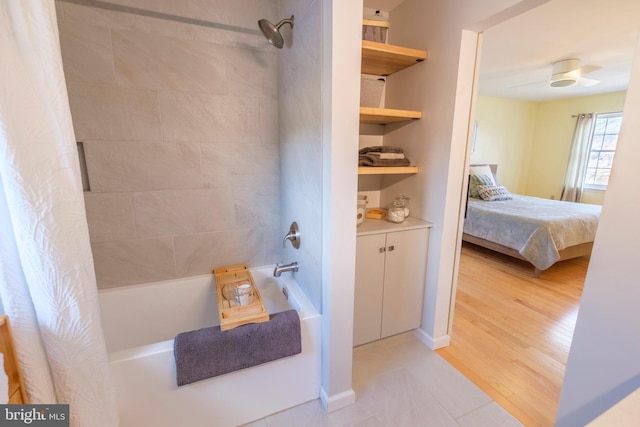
{"x": 537, "y": 228}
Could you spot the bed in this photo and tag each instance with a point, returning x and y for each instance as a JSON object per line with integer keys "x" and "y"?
{"x": 537, "y": 230}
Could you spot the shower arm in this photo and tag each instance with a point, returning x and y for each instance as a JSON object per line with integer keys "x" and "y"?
{"x": 285, "y": 21}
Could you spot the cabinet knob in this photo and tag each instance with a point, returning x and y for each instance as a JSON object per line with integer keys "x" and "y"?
{"x": 391, "y": 248}
{"x": 382, "y": 250}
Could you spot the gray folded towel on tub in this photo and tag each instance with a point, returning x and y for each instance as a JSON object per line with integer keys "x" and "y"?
{"x": 209, "y": 352}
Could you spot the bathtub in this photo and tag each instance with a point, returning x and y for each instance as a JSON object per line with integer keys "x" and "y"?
{"x": 140, "y": 323}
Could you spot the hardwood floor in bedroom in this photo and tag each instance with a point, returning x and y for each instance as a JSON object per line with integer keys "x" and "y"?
{"x": 512, "y": 332}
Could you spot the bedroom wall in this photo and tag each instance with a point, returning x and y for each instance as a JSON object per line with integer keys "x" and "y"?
{"x": 552, "y": 141}
{"x": 531, "y": 141}
{"x": 504, "y": 136}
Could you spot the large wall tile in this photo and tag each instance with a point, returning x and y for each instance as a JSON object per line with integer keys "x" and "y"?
{"x": 209, "y": 118}
{"x": 221, "y": 163}
{"x": 86, "y": 53}
{"x": 300, "y": 129}
{"x": 158, "y": 214}
{"x": 273, "y": 245}
{"x": 257, "y": 200}
{"x": 269, "y": 128}
{"x": 180, "y": 124}
{"x": 110, "y": 216}
{"x": 230, "y": 22}
{"x": 242, "y": 14}
{"x": 128, "y": 262}
{"x": 150, "y": 61}
{"x": 77, "y": 13}
{"x": 252, "y": 73}
{"x": 172, "y": 7}
{"x": 106, "y": 112}
{"x": 201, "y": 253}
{"x": 137, "y": 166}
{"x": 172, "y": 213}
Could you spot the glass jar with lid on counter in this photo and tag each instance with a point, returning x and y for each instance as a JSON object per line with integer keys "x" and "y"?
{"x": 404, "y": 202}
{"x": 396, "y": 212}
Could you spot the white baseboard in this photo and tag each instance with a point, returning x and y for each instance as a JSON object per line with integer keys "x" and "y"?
{"x": 337, "y": 401}
{"x": 429, "y": 341}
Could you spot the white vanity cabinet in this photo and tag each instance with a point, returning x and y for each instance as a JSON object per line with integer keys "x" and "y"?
{"x": 391, "y": 265}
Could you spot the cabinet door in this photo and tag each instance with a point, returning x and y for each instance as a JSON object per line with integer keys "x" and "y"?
{"x": 404, "y": 280}
{"x": 367, "y": 313}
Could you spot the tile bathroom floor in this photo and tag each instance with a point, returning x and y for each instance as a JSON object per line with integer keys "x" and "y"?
{"x": 400, "y": 382}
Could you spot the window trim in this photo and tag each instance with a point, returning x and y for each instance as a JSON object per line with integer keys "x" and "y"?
{"x": 597, "y": 187}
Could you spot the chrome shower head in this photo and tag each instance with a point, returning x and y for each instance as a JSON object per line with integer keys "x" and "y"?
{"x": 272, "y": 32}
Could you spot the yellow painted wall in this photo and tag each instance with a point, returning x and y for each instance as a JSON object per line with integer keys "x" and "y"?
{"x": 552, "y": 141}
{"x": 504, "y": 134}
{"x": 531, "y": 141}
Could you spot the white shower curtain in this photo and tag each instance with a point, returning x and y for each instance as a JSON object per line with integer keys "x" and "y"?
{"x": 574, "y": 176}
{"x": 47, "y": 281}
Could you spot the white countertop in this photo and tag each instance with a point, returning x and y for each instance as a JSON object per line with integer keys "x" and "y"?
{"x": 375, "y": 226}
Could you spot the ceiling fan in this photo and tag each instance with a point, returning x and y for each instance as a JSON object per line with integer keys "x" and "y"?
{"x": 568, "y": 72}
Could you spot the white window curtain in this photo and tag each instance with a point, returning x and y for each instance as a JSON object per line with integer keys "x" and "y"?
{"x": 574, "y": 176}
{"x": 47, "y": 280}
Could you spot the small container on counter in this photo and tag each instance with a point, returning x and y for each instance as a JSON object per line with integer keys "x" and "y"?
{"x": 396, "y": 212}
{"x": 362, "y": 208}
{"x": 403, "y": 201}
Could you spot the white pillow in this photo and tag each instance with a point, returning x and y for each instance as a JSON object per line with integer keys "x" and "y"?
{"x": 482, "y": 170}
{"x": 479, "y": 175}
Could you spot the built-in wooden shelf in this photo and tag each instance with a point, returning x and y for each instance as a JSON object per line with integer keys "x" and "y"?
{"x": 383, "y": 59}
{"x": 383, "y": 116}
{"x": 376, "y": 23}
{"x": 382, "y": 170}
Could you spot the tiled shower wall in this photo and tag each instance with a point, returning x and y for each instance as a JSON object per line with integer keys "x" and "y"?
{"x": 179, "y": 122}
{"x": 300, "y": 103}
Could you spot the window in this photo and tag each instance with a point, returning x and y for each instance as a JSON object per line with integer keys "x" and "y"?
{"x": 603, "y": 147}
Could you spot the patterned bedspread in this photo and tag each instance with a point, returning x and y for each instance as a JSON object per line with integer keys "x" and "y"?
{"x": 537, "y": 228}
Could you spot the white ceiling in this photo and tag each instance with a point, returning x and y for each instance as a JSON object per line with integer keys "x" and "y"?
{"x": 522, "y": 50}
{"x": 384, "y": 5}
{"x": 518, "y": 55}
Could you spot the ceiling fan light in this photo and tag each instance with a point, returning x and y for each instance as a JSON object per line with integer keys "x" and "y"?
{"x": 565, "y": 73}
{"x": 563, "y": 82}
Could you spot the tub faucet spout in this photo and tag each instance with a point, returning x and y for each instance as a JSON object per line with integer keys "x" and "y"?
{"x": 285, "y": 267}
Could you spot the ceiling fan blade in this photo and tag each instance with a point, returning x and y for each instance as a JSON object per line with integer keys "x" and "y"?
{"x": 585, "y": 82}
{"x": 586, "y": 69}
{"x": 566, "y": 73}
{"x": 528, "y": 84}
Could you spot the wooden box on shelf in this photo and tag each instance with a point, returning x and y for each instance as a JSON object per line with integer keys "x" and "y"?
{"x": 375, "y": 30}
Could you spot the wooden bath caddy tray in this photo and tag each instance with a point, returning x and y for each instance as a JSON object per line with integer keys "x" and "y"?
{"x": 231, "y": 313}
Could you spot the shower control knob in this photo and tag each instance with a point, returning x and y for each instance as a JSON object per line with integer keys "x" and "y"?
{"x": 293, "y": 236}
